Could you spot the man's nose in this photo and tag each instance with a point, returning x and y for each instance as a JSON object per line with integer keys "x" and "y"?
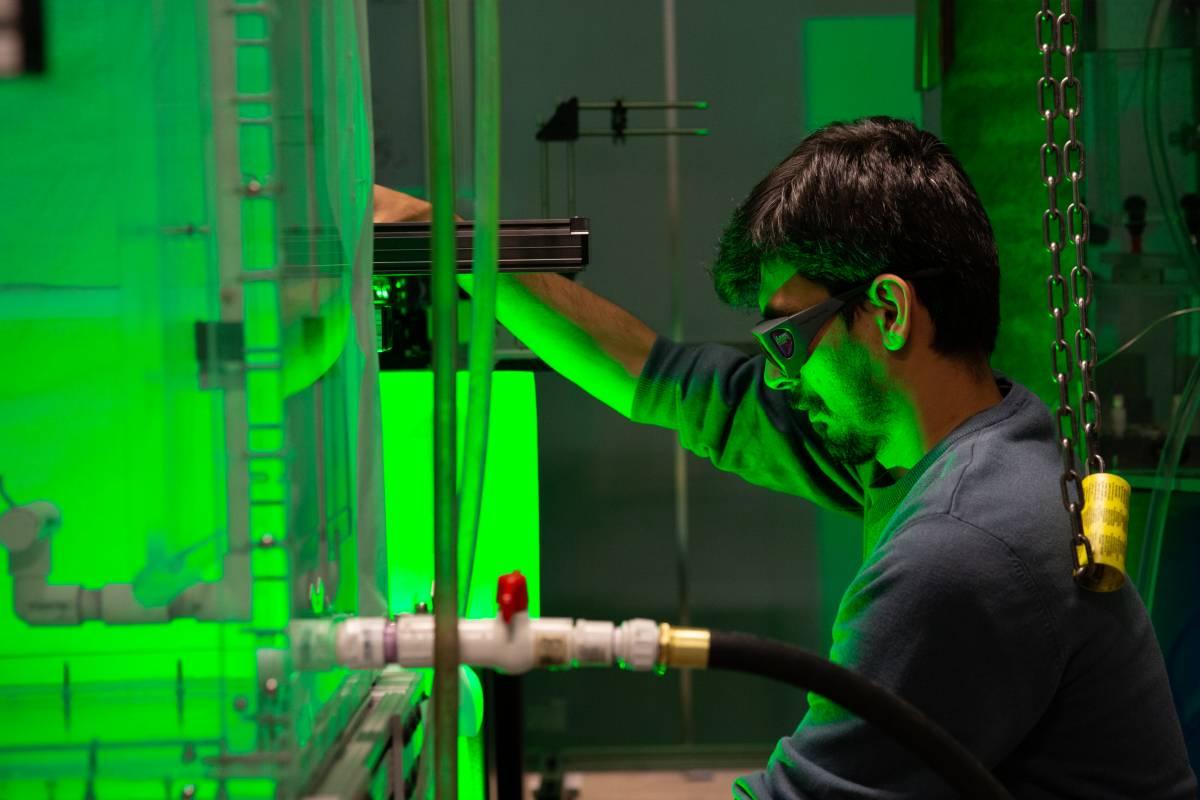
{"x": 775, "y": 379}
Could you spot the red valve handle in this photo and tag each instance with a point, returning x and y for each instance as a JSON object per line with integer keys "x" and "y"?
{"x": 512, "y": 595}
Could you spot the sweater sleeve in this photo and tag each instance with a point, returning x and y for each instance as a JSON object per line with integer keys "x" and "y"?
{"x": 715, "y": 398}
{"x": 946, "y": 616}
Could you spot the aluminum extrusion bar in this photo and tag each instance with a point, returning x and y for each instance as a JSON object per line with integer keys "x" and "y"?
{"x": 526, "y": 245}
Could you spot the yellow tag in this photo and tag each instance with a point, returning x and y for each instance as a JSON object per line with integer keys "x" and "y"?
{"x": 1106, "y": 527}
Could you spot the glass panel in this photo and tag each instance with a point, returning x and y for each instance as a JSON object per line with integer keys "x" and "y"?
{"x": 189, "y": 421}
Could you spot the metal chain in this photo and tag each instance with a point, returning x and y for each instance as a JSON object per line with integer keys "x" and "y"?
{"x": 1079, "y": 229}
{"x": 1063, "y": 97}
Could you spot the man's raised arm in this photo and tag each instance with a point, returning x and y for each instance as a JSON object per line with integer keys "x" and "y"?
{"x": 713, "y": 396}
{"x": 592, "y": 342}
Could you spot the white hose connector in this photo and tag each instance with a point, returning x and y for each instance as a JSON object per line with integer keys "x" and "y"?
{"x": 636, "y": 644}
{"x": 359, "y": 642}
{"x": 516, "y": 646}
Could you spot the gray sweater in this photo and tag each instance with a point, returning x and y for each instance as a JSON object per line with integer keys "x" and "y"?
{"x": 964, "y": 604}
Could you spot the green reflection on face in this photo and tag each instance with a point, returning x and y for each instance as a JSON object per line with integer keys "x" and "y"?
{"x": 845, "y": 392}
{"x": 843, "y": 386}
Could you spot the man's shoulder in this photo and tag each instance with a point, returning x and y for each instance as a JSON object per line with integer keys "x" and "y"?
{"x": 1001, "y": 477}
{"x": 945, "y": 548}
{"x": 975, "y": 572}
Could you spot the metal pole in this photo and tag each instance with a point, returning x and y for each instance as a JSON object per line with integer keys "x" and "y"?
{"x": 425, "y": 102}
{"x": 445, "y": 346}
{"x": 485, "y": 258}
{"x": 545, "y": 179}
{"x": 682, "y": 543}
{"x": 570, "y": 179}
{"x": 462, "y": 78}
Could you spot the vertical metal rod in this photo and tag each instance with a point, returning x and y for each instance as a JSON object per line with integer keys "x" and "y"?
{"x": 445, "y": 347}
{"x": 225, "y": 178}
{"x": 425, "y": 128}
{"x": 506, "y": 721}
{"x": 682, "y": 535}
{"x": 310, "y": 198}
{"x": 223, "y": 170}
{"x": 545, "y": 179}
{"x": 570, "y": 179}
{"x": 462, "y": 76}
{"x": 485, "y": 259}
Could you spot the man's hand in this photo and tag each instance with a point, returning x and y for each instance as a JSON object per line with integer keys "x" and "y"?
{"x": 393, "y": 206}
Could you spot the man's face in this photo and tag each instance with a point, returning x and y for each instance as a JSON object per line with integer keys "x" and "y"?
{"x": 843, "y": 386}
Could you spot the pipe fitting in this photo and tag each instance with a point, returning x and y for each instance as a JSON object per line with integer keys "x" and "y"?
{"x": 26, "y": 531}
{"x": 21, "y": 526}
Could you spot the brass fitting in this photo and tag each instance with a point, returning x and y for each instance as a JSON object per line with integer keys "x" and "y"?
{"x": 683, "y": 647}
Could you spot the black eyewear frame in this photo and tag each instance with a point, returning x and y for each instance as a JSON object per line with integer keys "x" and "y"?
{"x": 788, "y": 341}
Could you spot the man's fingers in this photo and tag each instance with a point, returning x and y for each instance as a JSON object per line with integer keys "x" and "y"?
{"x": 393, "y": 206}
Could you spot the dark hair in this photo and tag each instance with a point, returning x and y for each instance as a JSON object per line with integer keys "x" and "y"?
{"x": 861, "y": 198}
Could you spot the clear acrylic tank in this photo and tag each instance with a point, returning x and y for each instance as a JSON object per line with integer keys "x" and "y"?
{"x": 189, "y": 420}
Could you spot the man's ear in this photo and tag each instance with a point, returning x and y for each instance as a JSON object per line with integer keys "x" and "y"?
{"x": 893, "y": 297}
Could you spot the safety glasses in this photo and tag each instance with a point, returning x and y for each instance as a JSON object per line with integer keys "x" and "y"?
{"x": 788, "y": 341}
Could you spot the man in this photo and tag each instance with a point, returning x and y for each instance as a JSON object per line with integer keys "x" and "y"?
{"x": 868, "y": 251}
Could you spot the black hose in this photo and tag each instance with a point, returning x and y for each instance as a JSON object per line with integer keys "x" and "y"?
{"x": 741, "y": 652}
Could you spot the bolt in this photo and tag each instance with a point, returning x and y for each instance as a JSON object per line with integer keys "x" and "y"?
{"x": 189, "y": 792}
{"x": 267, "y": 541}
{"x": 239, "y": 703}
{"x": 253, "y": 186}
{"x": 272, "y": 686}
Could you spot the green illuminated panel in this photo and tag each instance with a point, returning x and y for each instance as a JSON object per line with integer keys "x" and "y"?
{"x": 859, "y": 66}
{"x": 98, "y": 408}
{"x": 508, "y": 530}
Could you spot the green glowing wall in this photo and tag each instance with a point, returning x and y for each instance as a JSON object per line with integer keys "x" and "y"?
{"x": 508, "y": 530}
{"x": 859, "y": 66}
{"x": 990, "y": 120}
{"x": 82, "y": 424}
